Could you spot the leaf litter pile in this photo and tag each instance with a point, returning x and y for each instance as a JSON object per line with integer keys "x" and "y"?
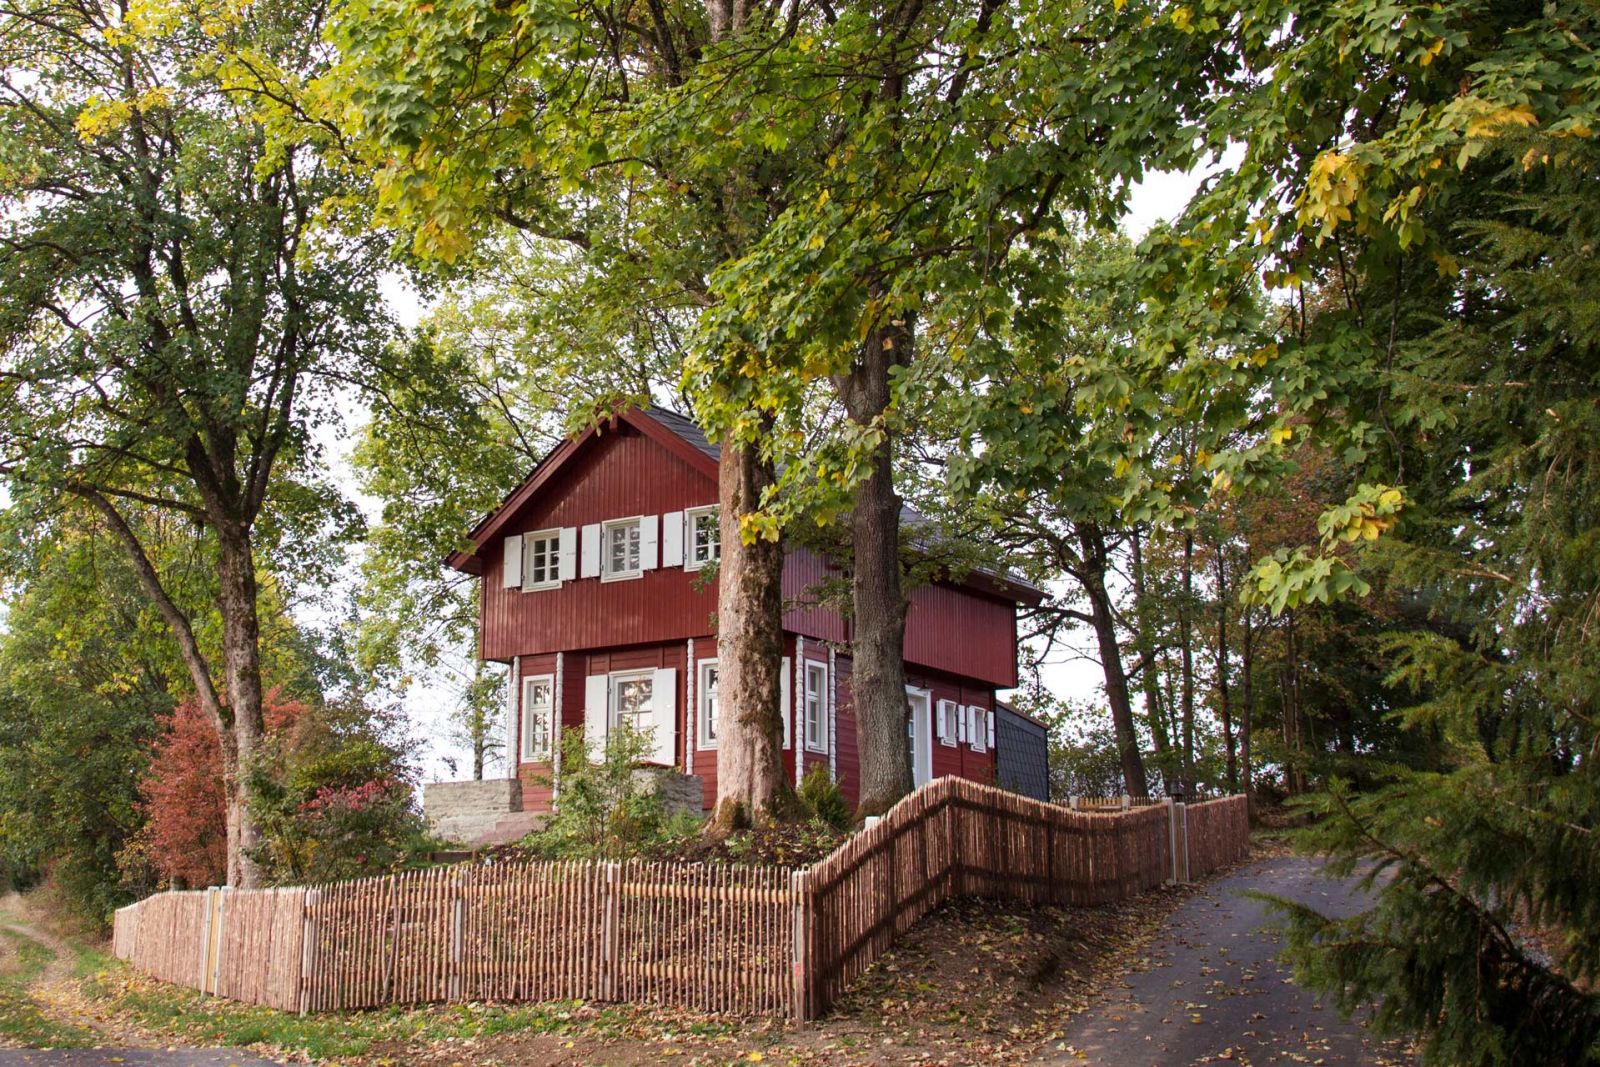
{"x": 974, "y": 983}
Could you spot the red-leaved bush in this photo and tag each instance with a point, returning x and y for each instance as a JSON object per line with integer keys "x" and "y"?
{"x": 185, "y": 838}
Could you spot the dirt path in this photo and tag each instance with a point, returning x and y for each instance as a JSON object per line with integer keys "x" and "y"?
{"x": 56, "y": 995}
{"x": 1213, "y": 992}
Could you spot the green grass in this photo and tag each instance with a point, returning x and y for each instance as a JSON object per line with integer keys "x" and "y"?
{"x": 21, "y": 1021}
{"x": 206, "y": 1021}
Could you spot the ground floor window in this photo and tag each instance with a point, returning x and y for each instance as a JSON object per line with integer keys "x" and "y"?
{"x": 707, "y": 695}
{"x": 538, "y": 707}
{"x": 816, "y": 707}
{"x": 632, "y": 697}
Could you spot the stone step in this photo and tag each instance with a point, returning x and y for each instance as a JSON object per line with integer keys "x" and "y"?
{"x": 513, "y": 827}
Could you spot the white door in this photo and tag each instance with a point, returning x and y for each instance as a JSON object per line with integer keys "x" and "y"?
{"x": 920, "y": 735}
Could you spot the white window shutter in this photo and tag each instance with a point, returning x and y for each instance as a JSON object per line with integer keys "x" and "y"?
{"x": 989, "y": 717}
{"x": 945, "y": 723}
{"x": 672, "y": 539}
{"x": 786, "y": 704}
{"x": 596, "y": 691}
{"x": 589, "y": 566}
{"x": 569, "y": 553}
{"x": 664, "y": 716}
{"x": 961, "y": 725}
{"x": 649, "y": 526}
{"x": 512, "y": 578}
{"x": 976, "y": 729}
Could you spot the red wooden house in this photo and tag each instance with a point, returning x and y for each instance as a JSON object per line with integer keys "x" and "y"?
{"x": 589, "y": 593}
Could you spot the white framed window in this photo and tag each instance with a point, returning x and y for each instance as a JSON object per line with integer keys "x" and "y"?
{"x": 541, "y": 560}
{"x": 978, "y": 728}
{"x": 706, "y": 699}
{"x": 632, "y": 700}
{"x": 621, "y": 549}
{"x": 538, "y": 715}
{"x": 703, "y": 535}
{"x": 816, "y": 707}
{"x": 949, "y": 723}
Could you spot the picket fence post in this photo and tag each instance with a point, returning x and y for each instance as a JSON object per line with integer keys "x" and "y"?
{"x": 799, "y": 886}
{"x": 458, "y": 922}
{"x": 1178, "y": 834}
{"x": 308, "y": 948}
{"x": 612, "y": 910}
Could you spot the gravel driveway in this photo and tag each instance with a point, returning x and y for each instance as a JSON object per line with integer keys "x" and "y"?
{"x": 1213, "y": 993}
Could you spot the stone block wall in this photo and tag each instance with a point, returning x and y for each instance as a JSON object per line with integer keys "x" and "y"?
{"x": 679, "y": 793}
{"x": 465, "y": 811}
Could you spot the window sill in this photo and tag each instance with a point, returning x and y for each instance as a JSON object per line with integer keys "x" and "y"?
{"x": 626, "y": 576}
{"x": 541, "y": 587}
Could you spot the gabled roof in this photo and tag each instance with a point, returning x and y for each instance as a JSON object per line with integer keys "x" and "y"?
{"x": 674, "y": 432}
{"x": 682, "y": 437}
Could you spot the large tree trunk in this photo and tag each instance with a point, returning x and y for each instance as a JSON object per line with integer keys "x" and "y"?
{"x": 1146, "y": 644}
{"x": 1246, "y": 703}
{"x": 878, "y": 674}
{"x": 1105, "y": 632}
{"x": 1224, "y": 706}
{"x": 241, "y": 661}
{"x": 1186, "y": 653}
{"x": 750, "y": 779}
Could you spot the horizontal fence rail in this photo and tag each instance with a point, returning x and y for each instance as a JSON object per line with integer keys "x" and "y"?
{"x": 746, "y": 941}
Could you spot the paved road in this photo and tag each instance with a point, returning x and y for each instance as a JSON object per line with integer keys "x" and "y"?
{"x": 1215, "y": 994}
{"x": 131, "y": 1057}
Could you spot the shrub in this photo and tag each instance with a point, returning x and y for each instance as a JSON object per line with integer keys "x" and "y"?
{"x": 606, "y": 808}
{"x": 334, "y": 799}
{"x": 822, "y": 799}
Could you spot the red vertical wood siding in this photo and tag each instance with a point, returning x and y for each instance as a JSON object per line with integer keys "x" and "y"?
{"x": 961, "y": 631}
{"x": 620, "y": 474}
{"x": 848, "y": 762}
{"x": 804, "y": 571}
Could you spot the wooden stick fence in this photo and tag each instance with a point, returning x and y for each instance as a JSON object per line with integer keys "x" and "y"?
{"x": 690, "y": 936}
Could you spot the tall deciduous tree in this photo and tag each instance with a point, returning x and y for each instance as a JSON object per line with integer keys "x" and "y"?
{"x": 825, "y": 191}
{"x": 173, "y": 328}
{"x": 1421, "y": 179}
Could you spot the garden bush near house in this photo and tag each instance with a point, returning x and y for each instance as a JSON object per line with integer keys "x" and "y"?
{"x": 607, "y": 808}
{"x": 335, "y": 798}
{"x": 822, "y": 798}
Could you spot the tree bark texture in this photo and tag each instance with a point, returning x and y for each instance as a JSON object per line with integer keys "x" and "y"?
{"x": 878, "y": 677}
{"x": 1148, "y": 681}
{"x": 1224, "y": 704}
{"x": 750, "y": 779}
{"x": 1116, "y": 678}
{"x": 1186, "y": 651}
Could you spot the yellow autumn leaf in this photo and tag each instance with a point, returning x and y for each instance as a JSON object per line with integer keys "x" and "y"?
{"x": 1282, "y": 434}
{"x": 1490, "y": 123}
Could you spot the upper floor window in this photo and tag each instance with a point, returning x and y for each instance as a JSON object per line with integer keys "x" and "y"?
{"x": 705, "y": 537}
{"x": 632, "y": 700}
{"x": 541, "y": 560}
{"x": 537, "y": 706}
{"x": 816, "y": 707}
{"x": 620, "y": 541}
